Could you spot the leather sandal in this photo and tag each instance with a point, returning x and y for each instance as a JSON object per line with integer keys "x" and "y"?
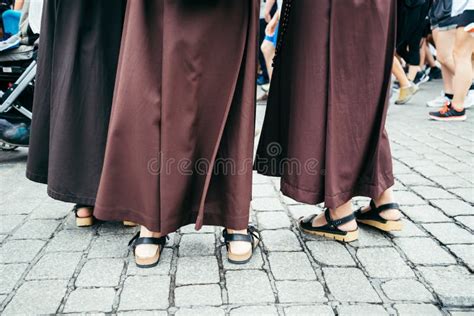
{"x": 147, "y": 262}
{"x": 372, "y": 217}
{"x": 83, "y": 221}
{"x": 252, "y": 237}
{"x": 330, "y": 230}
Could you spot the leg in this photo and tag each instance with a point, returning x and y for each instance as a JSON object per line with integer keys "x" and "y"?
{"x": 445, "y": 45}
{"x": 463, "y": 49}
{"x": 268, "y": 51}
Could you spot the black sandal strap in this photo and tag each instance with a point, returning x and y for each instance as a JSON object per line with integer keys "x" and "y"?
{"x": 251, "y": 235}
{"x": 388, "y": 206}
{"x": 137, "y": 240}
{"x": 338, "y": 222}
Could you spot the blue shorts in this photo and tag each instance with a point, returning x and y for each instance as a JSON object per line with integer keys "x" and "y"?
{"x": 274, "y": 38}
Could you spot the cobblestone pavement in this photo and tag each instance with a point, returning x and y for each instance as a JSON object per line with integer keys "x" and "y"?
{"x": 47, "y": 265}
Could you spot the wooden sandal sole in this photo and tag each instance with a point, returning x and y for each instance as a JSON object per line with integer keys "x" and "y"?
{"x": 349, "y": 237}
{"x": 389, "y": 226}
{"x": 148, "y": 262}
{"x": 84, "y": 221}
{"x": 129, "y": 224}
{"x": 243, "y": 258}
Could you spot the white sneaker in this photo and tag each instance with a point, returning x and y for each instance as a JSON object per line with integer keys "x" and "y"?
{"x": 438, "y": 102}
{"x": 469, "y": 101}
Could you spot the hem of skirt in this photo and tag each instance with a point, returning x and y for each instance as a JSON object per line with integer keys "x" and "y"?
{"x": 363, "y": 189}
{"x": 35, "y": 177}
{"x": 153, "y": 224}
{"x": 63, "y": 197}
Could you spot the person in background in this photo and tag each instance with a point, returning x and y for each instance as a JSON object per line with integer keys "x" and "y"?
{"x": 271, "y": 13}
{"x": 77, "y": 62}
{"x": 462, "y": 15}
{"x": 324, "y": 129}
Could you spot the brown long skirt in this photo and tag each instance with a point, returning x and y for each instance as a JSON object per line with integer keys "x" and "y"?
{"x": 324, "y": 128}
{"x": 78, "y": 56}
{"x": 181, "y": 133}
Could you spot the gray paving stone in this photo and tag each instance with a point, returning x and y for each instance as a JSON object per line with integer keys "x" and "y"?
{"x": 430, "y": 170}
{"x": 55, "y": 265}
{"x": 304, "y": 210}
{"x": 453, "y": 284}
{"x": 116, "y": 228}
{"x": 273, "y": 220}
{"x": 384, "y": 263}
{"x": 10, "y": 223}
{"x": 90, "y": 300}
{"x": 409, "y": 198}
{"x": 451, "y": 182}
{"x": 449, "y": 233}
{"x": 370, "y": 237}
{"x": 238, "y": 284}
{"x": 467, "y": 221}
{"x": 330, "y": 253}
{"x": 2, "y": 238}
{"x": 300, "y": 292}
{"x": 465, "y": 253}
{"x": 19, "y": 206}
{"x": 350, "y": 285}
{"x": 163, "y": 268}
{"x": 36, "y": 229}
{"x": 255, "y": 263}
{"x": 432, "y": 193}
{"x": 267, "y": 204}
{"x": 424, "y": 251}
{"x": 143, "y": 313}
{"x": 260, "y": 179}
{"x": 280, "y": 240}
{"x": 10, "y": 275}
{"x": 425, "y": 214}
{"x": 361, "y": 310}
{"x": 264, "y": 190}
{"x": 417, "y": 309}
{"x": 454, "y": 207}
{"x": 110, "y": 246}
{"x": 70, "y": 240}
{"x": 198, "y": 311}
{"x": 413, "y": 179}
{"x": 289, "y": 201}
{"x": 407, "y": 290}
{"x": 51, "y": 209}
{"x": 197, "y": 270}
{"x": 37, "y": 297}
{"x": 466, "y": 194}
{"x": 135, "y": 297}
{"x": 313, "y": 310}
{"x": 197, "y": 245}
{"x": 291, "y": 266}
{"x": 461, "y": 312}
{"x": 20, "y": 250}
{"x": 190, "y": 229}
{"x": 100, "y": 273}
{"x": 254, "y": 310}
{"x": 198, "y": 295}
{"x": 410, "y": 229}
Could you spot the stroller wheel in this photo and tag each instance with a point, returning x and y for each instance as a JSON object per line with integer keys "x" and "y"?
{"x": 7, "y": 147}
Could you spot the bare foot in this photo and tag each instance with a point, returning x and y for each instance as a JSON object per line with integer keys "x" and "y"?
{"x": 147, "y": 251}
{"x": 338, "y": 213}
{"x": 239, "y": 247}
{"x": 386, "y": 198}
{"x": 84, "y": 212}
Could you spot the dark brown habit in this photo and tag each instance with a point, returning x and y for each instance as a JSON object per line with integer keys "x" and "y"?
{"x": 324, "y": 130}
{"x": 78, "y": 55}
{"x": 181, "y": 133}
